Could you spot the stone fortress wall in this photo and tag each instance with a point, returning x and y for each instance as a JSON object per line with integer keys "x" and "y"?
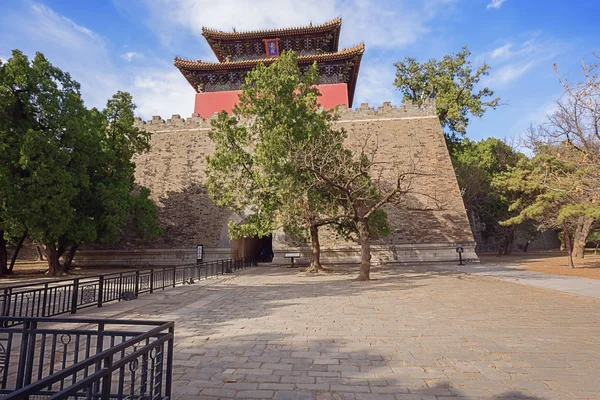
{"x": 406, "y": 137}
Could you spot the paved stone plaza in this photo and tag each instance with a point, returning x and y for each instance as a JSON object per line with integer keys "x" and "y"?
{"x": 413, "y": 333}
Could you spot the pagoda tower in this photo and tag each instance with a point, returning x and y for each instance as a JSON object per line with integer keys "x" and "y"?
{"x": 218, "y": 84}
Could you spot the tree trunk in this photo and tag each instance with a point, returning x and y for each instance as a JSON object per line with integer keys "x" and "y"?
{"x": 54, "y": 268}
{"x": 315, "y": 261}
{"x": 596, "y": 249}
{"x": 16, "y": 253}
{"x": 364, "y": 238}
{"x": 507, "y": 242}
{"x": 584, "y": 225}
{"x": 69, "y": 258}
{"x": 510, "y": 238}
{"x": 40, "y": 253}
{"x": 526, "y": 246}
{"x": 568, "y": 245}
{"x": 3, "y": 254}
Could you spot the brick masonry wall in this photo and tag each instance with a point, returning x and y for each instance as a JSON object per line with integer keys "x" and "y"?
{"x": 406, "y": 138}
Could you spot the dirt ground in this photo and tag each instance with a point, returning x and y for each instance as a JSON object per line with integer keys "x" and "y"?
{"x": 547, "y": 261}
{"x": 550, "y": 262}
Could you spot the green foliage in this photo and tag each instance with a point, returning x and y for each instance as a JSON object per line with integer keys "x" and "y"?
{"x": 594, "y": 236}
{"x": 478, "y": 167}
{"x": 145, "y": 215}
{"x": 251, "y": 171}
{"x": 379, "y": 227}
{"x": 557, "y": 182}
{"x": 452, "y": 82}
{"x": 67, "y": 175}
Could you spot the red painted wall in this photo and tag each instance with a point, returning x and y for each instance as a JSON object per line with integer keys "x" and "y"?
{"x": 211, "y": 102}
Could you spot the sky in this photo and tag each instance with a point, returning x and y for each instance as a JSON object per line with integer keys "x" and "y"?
{"x": 111, "y": 45}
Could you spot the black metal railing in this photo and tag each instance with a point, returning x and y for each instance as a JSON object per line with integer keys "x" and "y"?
{"x": 60, "y": 358}
{"x": 64, "y": 296}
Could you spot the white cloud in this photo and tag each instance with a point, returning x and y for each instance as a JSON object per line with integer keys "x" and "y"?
{"x": 130, "y": 55}
{"x": 495, "y": 3}
{"x": 162, "y": 91}
{"x": 83, "y": 53}
{"x": 511, "y": 72}
{"x": 513, "y": 60}
{"x": 539, "y": 115}
{"x": 501, "y": 51}
{"x": 376, "y": 22}
{"x": 376, "y": 85}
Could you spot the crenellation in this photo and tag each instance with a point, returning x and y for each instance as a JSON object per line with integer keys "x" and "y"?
{"x": 365, "y": 111}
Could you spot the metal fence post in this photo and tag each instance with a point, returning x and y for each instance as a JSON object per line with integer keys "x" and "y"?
{"x": 152, "y": 281}
{"x": 100, "y": 290}
{"x": 137, "y": 283}
{"x": 6, "y": 304}
{"x": 169, "y": 374}
{"x": 45, "y": 299}
{"x": 25, "y": 332}
{"x": 107, "y": 380}
{"x": 120, "y": 286}
{"x": 74, "y": 295}
{"x": 174, "y": 272}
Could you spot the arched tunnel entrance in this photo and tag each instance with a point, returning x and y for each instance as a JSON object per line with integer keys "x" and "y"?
{"x": 259, "y": 248}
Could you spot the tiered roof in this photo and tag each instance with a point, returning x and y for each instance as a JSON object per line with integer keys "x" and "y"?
{"x": 239, "y": 52}
{"x": 199, "y": 65}
{"x": 218, "y": 39}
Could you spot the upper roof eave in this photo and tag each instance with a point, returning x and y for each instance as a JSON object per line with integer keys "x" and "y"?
{"x": 324, "y": 57}
{"x": 334, "y": 24}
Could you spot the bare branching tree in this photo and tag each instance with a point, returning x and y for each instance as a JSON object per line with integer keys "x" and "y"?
{"x": 360, "y": 186}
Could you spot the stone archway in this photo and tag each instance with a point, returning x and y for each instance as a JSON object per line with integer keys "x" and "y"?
{"x": 260, "y": 248}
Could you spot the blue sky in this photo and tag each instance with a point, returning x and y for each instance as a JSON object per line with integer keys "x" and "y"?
{"x": 111, "y": 45}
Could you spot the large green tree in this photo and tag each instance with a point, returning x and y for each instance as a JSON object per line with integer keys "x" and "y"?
{"x": 69, "y": 178}
{"x": 252, "y": 172}
{"x": 478, "y": 165}
{"x": 453, "y": 83}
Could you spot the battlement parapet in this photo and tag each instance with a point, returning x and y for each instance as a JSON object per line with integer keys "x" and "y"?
{"x": 176, "y": 122}
{"x": 386, "y": 110}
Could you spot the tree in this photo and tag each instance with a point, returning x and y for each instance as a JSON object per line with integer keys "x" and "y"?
{"x": 452, "y": 82}
{"x": 70, "y": 175}
{"x": 564, "y": 173}
{"x": 576, "y": 125}
{"x": 477, "y": 166}
{"x": 554, "y": 183}
{"x": 360, "y": 185}
{"x": 251, "y": 170}
{"x": 594, "y": 237}
{"x": 33, "y": 98}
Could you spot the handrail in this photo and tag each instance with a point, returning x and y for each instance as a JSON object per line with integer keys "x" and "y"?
{"x": 131, "y": 271}
{"x": 151, "y": 350}
{"x": 51, "y": 298}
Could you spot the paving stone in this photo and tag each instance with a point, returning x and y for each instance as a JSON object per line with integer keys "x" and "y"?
{"x": 295, "y": 395}
{"x": 414, "y": 333}
{"x": 255, "y": 394}
{"x": 218, "y": 392}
